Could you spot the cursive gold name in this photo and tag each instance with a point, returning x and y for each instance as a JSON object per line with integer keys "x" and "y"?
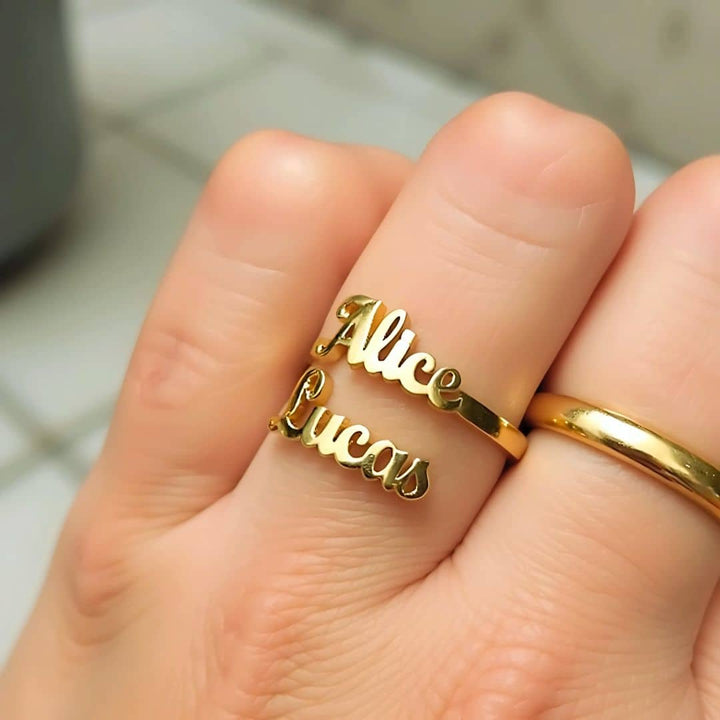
{"x": 379, "y": 341}
{"x": 306, "y": 418}
{"x": 368, "y": 331}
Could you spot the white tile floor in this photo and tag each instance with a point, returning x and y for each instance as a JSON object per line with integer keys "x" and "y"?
{"x": 13, "y": 442}
{"x": 167, "y": 86}
{"x": 31, "y": 513}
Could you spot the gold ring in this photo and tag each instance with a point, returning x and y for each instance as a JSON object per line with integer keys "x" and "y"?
{"x": 625, "y": 439}
{"x": 305, "y": 418}
{"x": 379, "y": 341}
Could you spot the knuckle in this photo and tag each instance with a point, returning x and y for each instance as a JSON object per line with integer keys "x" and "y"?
{"x": 515, "y": 118}
{"x": 560, "y": 637}
{"x": 537, "y": 147}
{"x": 697, "y": 187}
{"x": 518, "y": 668}
{"x": 268, "y": 189}
{"x": 97, "y": 568}
{"x": 171, "y": 365}
{"x": 270, "y": 636}
{"x": 525, "y": 657}
{"x": 517, "y": 109}
{"x": 273, "y": 175}
{"x": 569, "y": 173}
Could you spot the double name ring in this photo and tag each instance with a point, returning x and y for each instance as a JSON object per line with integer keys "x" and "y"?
{"x": 379, "y": 341}
{"x": 625, "y": 439}
{"x": 306, "y": 418}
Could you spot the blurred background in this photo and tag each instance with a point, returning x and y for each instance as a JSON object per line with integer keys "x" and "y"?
{"x": 113, "y": 112}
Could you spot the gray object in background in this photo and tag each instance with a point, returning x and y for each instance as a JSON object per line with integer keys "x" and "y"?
{"x": 39, "y": 132}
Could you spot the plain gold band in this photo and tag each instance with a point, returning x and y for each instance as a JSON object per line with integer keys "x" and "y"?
{"x": 625, "y": 439}
{"x": 493, "y": 426}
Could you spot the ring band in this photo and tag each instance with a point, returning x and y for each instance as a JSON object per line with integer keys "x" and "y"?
{"x": 379, "y": 341}
{"x": 625, "y": 439}
{"x": 305, "y": 418}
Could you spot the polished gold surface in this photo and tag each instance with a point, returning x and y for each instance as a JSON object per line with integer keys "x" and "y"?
{"x": 379, "y": 341}
{"x": 623, "y": 438}
{"x": 306, "y": 418}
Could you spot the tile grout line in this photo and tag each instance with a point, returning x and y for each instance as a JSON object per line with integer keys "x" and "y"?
{"x": 129, "y": 125}
{"x": 109, "y": 9}
{"x": 23, "y": 418}
{"x": 74, "y": 466}
{"x": 45, "y": 443}
{"x": 86, "y": 423}
{"x": 20, "y": 465}
{"x": 176, "y": 157}
{"x": 258, "y": 59}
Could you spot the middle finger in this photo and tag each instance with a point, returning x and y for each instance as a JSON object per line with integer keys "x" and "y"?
{"x": 493, "y": 247}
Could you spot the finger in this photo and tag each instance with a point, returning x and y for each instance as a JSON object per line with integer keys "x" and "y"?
{"x": 706, "y": 663}
{"x": 282, "y": 219}
{"x": 626, "y": 562}
{"x": 493, "y": 247}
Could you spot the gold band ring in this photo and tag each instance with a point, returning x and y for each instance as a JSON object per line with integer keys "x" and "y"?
{"x": 625, "y": 439}
{"x": 305, "y": 418}
{"x": 379, "y": 341}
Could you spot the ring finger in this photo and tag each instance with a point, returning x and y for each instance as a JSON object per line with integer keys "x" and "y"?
{"x": 626, "y": 563}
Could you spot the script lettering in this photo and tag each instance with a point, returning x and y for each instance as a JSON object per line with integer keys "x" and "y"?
{"x": 316, "y": 426}
{"x": 380, "y": 342}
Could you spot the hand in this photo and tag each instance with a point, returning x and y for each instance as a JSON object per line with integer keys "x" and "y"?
{"x": 211, "y": 570}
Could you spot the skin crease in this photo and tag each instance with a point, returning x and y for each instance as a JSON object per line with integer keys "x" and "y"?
{"x": 210, "y": 571}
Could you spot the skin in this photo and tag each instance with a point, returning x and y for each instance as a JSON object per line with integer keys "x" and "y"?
{"x": 211, "y": 570}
